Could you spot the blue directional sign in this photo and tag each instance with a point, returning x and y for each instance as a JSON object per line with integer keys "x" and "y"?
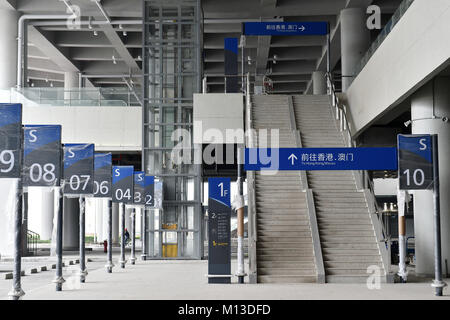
{"x": 122, "y": 184}
{"x": 42, "y": 155}
{"x": 149, "y": 187}
{"x": 415, "y": 162}
{"x": 10, "y": 140}
{"x": 321, "y": 159}
{"x": 285, "y": 28}
{"x": 139, "y": 187}
{"x": 219, "y": 230}
{"x": 102, "y": 175}
{"x": 79, "y": 168}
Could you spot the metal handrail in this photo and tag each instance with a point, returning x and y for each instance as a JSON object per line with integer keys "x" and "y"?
{"x": 32, "y": 241}
{"x": 340, "y": 110}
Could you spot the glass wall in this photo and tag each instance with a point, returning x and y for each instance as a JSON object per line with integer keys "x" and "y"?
{"x": 172, "y": 74}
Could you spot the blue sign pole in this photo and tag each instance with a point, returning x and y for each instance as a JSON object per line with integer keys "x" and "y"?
{"x": 123, "y": 178}
{"x": 149, "y": 191}
{"x": 10, "y": 161}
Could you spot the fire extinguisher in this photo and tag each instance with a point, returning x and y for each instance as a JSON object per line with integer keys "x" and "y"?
{"x": 105, "y": 246}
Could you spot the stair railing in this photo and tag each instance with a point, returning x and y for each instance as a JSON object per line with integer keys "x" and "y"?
{"x": 340, "y": 111}
{"x": 362, "y": 180}
{"x": 252, "y": 233}
{"x": 32, "y": 241}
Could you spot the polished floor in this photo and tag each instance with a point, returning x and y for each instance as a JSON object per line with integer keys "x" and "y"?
{"x": 187, "y": 280}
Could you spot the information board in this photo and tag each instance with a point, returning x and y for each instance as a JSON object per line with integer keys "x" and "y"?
{"x": 321, "y": 159}
{"x": 10, "y": 140}
{"x": 122, "y": 184}
{"x": 102, "y": 175}
{"x": 42, "y": 156}
{"x": 139, "y": 187}
{"x": 79, "y": 169}
{"x": 149, "y": 191}
{"x": 219, "y": 230}
{"x": 415, "y": 162}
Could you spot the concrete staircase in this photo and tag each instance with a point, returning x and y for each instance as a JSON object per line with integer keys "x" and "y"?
{"x": 284, "y": 248}
{"x": 347, "y": 236}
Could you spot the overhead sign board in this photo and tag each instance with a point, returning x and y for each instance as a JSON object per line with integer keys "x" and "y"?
{"x": 285, "y": 28}
{"x": 42, "y": 156}
{"x": 122, "y": 184}
{"x": 139, "y": 187}
{"x": 321, "y": 159}
{"x": 102, "y": 175}
{"x": 79, "y": 169}
{"x": 149, "y": 186}
{"x": 10, "y": 140}
{"x": 415, "y": 162}
{"x": 219, "y": 230}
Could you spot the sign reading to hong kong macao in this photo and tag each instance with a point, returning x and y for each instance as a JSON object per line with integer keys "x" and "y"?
{"x": 285, "y": 28}
{"x": 320, "y": 159}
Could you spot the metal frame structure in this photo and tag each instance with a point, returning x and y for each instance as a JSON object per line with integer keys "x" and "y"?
{"x": 172, "y": 73}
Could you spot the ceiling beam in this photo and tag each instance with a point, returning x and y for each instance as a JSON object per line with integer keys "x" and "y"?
{"x": 43, "y": 41}
{"x": 120, "y": 48}
{"x": 263, "y": 48}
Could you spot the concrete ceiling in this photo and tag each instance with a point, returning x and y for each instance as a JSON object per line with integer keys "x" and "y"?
{"x": 56, "y": 49}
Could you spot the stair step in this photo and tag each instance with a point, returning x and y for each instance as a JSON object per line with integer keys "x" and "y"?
{"x": 290, "y": 222}
{"x": 337, "y": 232}
{"x": 349, "y": 227}
{"x": 273, "y": 239}
{"x": 338, "y": 211}
{"x": 283, "y": 228}
{"x": 279, "y": 257}
{"x": 350, "y": 265}
{"x": 288, "y": 213}
{"x": 287, "y": 264}
{"x": 281, "y": 233}
{"x": 352, "y": 251}
{"x": 286, "y": 271}
{"x": 342, "y": 203}
{"x": 286, "y": 252}
{"x": 347, "y": 239}
{"x": 287, "y": 279}
{"x": 352, "y": 257}
{"x": 351, "y": 279}
{"x": 284, "y": 245}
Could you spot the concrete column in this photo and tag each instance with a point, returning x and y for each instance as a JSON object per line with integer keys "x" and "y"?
{"x": 422, "y": 107}
{"x": 105, "y": 212}
{"x": 71, "y": 81}
{"x": 128, "y": 212}
{"x": 98, "y": 204}
{"x": 319, "y": 82}
{"x": 115, "y": 223}
{"x": 71, "y": 222}
{"x": 40, "y": 211}
{"x": 355, "y": 40}
{"x": 8, "y": 53}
